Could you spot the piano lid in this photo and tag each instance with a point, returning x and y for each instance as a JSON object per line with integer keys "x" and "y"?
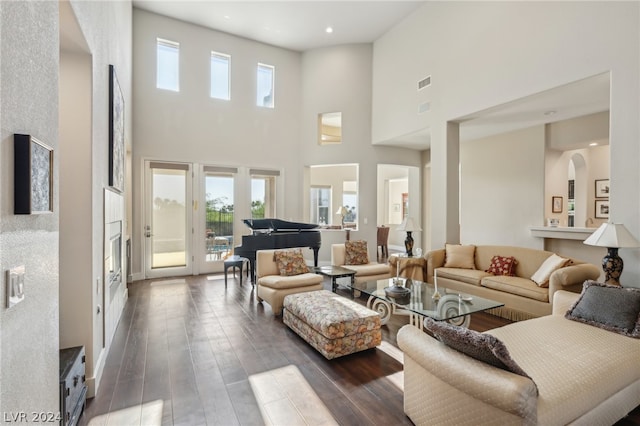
{"x": 277, "y": 225}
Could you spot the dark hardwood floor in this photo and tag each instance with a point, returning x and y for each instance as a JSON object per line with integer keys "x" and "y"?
{"x": 187, "y": 351}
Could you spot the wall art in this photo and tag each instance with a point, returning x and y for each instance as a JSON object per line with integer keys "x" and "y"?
{"x": 33, "y": 175}
{"x": 116, "y": 132}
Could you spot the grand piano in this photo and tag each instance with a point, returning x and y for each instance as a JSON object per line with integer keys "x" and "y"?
{"x": 274, "y": 234}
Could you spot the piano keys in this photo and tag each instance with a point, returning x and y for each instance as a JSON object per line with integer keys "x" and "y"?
{"x": 275, "y": 234}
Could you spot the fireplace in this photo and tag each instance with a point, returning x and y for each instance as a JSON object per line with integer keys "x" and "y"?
{"x": 113, "y": 256}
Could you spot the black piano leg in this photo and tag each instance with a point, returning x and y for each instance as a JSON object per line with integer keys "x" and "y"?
{"x": 315, "y": 257}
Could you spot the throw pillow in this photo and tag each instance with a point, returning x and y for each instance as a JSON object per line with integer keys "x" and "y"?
{"x": 290, "y": 262}
{"x": 548, "y": 267}
{"x": 459, "y": 256}
{"x": 612, "y": 308}
{"x": 483, "y": 347}
{"x": 356, "y": 252}
{"x": 503, "y": 265}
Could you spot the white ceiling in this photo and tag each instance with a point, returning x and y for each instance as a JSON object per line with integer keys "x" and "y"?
{"x": 296, "y": 25}
{"x": 300, "y": 25}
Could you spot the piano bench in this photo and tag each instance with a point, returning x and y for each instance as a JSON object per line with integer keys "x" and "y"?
{"x": 234, "y": 262}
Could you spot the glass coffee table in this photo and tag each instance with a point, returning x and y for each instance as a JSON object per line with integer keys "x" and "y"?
{"x": 421, "y": 300}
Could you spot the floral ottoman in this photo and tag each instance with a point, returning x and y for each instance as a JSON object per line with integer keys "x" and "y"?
{"x": 332, "y": 324}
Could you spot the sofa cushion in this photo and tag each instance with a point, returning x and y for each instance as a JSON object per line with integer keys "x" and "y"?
{"x": 515, "y": 285}
{"x": 503, "y": 265}
{"x": 372, "y": 268}
{"x": 469, "y": 276}
{"x": 356, "y": 252}
{"x": 483, "y": 347}
{"x": 548, "y": 267}
{"x": 459, "y": 256}
{"x": 290, "y": 262}
{"x": 612, "y": 308}
{"x": 282, "y": 282}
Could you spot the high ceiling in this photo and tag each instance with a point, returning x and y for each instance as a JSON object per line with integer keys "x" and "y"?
{"x": 295, "y": 25}
{"x": 301, "y": 25}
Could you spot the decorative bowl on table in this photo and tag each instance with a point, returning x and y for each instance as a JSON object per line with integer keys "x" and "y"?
{"x": 399, "y": 294}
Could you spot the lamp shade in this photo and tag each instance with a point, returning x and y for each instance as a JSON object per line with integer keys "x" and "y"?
{"x": 613, "y": 235}
{"x": 409, "y": 225}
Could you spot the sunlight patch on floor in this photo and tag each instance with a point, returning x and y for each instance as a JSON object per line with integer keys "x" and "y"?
{"x": 148, "y": 414}
{"x": 215, "y": 277}
{"x": 168, "y": 282}
{"x": 396, "y": 378}
{"x": 286, "y": 398}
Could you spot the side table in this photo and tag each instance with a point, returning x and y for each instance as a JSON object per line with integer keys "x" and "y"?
{"x": 410, "y": 267}
{"x": 73, "y": 387}
{"x": 335, "y": 272}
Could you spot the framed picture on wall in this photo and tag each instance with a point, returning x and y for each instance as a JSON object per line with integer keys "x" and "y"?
{"x": 33, "y": 176}
{"x": 602, "y": 188}
{"x": 116, "y": 132}
{"x": 556, "y": 204}
{"x": 602, "y": 209}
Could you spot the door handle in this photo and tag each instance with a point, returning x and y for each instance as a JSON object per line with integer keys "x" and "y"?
{"x": 147, "y": 231}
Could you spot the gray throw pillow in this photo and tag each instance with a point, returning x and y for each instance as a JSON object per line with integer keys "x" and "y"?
{"x": 483, "y": 347}
{"x": 611, "y": 308}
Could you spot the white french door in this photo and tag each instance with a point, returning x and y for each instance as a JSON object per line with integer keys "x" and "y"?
{"x": 214, "y": 233}
{"x": 168, "y": 219}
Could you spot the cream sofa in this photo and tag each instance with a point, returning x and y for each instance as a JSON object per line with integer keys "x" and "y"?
{"x": 522, "y": 297}
{"x": 371, "y": 271}
{"x": 584, "y": 375}
{"x": 273, "y": 287}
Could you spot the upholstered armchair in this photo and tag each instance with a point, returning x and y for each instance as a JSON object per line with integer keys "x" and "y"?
{"x": 283, "y": 272}
{"x": 357, "y": 259}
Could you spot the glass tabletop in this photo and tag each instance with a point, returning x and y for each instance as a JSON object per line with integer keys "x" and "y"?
{"x": 332, "y": 270}
{"x": 418, "y": 297}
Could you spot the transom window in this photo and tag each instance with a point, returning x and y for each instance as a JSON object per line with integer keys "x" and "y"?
{"x": 168, "y": 65}
{"x": 265, "y": 88}
{"x": 220, "y": 76}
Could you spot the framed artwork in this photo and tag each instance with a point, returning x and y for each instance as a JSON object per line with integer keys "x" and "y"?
{"x": 556, "y": 204}
{"x": 602, "y": 209}
{"x": 33, "y": 175}
{"x": 116, "y": 132}
{"x": 602, "y": 188}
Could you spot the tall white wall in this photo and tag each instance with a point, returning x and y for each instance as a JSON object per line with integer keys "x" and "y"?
{"x": 339, "y": 78}
{"x": 190, "y": 126}
{"x": 29, "y": 104}
{"x": 483, "y": 54}
{"x": 502, "y": 179}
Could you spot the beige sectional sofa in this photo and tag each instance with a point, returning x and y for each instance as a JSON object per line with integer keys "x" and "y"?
{"x": 522, "y": 297}
{"x": 579, "y": 375}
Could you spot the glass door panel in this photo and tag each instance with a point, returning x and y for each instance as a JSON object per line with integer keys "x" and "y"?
{"x": 218, "y": 217}
{"x": 168, "y": 219}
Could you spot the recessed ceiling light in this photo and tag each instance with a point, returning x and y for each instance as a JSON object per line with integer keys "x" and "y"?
{"x": 549, "y": 113}
{"x": 593, "y": 144}
{"x": 329, "y": 30}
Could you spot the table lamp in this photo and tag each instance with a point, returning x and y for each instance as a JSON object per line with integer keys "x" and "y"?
{"x": 612, "y": 236}
{"x": 409, "y": 226}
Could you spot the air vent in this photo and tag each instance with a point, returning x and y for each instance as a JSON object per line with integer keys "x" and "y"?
{"x": 424, "y": 107}
{"x": 425, "y": 82}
